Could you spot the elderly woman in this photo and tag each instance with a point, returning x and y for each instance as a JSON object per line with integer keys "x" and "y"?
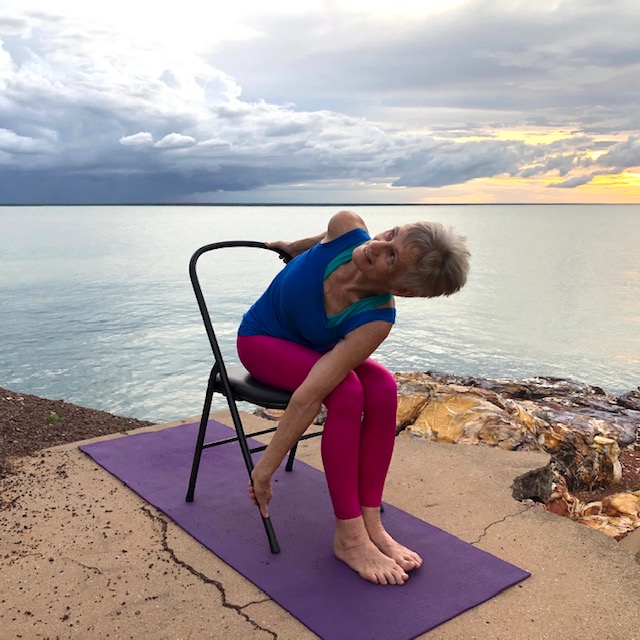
{"x": 320, "y": 320}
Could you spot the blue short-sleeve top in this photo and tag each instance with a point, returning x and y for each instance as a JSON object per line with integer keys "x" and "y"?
{"x": 292, "y": 308}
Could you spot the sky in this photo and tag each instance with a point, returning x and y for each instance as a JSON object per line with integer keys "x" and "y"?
{"x": 319, "y": 101}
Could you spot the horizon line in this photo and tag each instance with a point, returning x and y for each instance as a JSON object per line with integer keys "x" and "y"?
{"x": 305, "y": 204}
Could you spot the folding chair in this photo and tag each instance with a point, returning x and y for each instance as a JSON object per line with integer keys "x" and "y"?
{"x": 236, "y": 384}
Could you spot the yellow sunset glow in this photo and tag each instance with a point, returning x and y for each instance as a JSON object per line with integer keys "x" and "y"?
{"x": 531, "y": 136}
{"x": 626, "y": 183}
{"x": 622, "y": 188}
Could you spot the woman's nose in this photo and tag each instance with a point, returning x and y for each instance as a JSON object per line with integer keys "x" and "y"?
{"x": 374, "y": 245}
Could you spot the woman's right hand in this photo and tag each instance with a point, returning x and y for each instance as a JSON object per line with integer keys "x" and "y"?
{"x": 261, "y": 492}
{"x": 283, "y": 245}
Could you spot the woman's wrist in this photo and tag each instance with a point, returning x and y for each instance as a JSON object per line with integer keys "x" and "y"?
{"x": 300, "y": 246}
{"x": 260, "y": 474}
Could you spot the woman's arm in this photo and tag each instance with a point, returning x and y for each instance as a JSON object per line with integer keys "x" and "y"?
{"x": 296, "y": 247}
{"x": 340, "y": 223}
{"x": 305, "y": 403}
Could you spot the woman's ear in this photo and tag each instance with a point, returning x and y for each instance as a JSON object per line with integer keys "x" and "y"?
{"x": 404, "y": 292}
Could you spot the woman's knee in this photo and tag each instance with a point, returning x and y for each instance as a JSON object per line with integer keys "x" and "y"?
{"x": 386, "y": 380}
{"x": 381, "y": 390}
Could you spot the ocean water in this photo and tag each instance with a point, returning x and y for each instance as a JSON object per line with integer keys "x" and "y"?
{"x": 97, "y": 307}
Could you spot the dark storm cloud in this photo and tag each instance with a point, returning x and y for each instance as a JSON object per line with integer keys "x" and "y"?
{"x": 160, "y": 186}
{"x": 452, "y": 163}
{"x": 572, "y": 183}
{"x": 623, "y": 154}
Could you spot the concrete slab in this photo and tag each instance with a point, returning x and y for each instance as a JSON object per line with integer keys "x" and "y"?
{"x": 82, "y": 556}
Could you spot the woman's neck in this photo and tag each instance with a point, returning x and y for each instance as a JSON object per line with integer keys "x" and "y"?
{"x": 347, "y": 284}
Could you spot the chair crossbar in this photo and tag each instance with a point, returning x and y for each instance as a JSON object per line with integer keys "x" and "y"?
{"x": 215, "y": 443}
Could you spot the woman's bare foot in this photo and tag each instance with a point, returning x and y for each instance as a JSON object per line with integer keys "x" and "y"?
{"x": 352, "y": 545}
{"x": 406, "y": 558}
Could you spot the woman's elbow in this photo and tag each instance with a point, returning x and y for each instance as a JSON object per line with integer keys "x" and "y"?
{"x": 304, "y": 403}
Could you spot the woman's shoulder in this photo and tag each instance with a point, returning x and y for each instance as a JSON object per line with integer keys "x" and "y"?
{"x": 342, "y": 223}
{"x": 349, "y": 240}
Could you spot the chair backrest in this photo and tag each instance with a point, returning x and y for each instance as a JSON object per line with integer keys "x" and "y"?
{"x": 197, "y": 288}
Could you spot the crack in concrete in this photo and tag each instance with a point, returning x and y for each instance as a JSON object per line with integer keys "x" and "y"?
{"x": 164, "y": 525}
{"x": 244, "y": 606}
{"x": 507, "y": 517}
{"x": 84, "y": 566}
{"x": 20, "y": 556}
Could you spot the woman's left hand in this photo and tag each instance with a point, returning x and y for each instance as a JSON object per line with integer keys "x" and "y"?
{"x": 261, "y": 492}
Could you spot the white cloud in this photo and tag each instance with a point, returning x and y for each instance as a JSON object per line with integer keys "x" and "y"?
{"x": 175, "y": 141}
{"x": 10, "y": 142}
{"x": 328, "y": 92}
{"x": 489, "y": 56}
{"x": 141, "y": 139}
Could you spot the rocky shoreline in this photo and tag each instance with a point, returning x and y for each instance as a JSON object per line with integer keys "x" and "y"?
{"x": 592, "y": 438}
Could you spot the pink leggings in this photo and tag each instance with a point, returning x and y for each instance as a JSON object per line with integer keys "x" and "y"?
{"x": 359, "y": 433}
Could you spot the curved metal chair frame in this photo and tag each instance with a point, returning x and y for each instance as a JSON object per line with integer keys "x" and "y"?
{"x": 236, "y": 384}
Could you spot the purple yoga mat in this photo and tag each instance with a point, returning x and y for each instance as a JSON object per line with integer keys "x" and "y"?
{"x": 305, "y": 578}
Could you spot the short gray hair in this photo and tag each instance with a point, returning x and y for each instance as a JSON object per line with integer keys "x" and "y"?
{"x": 442, "y": 261}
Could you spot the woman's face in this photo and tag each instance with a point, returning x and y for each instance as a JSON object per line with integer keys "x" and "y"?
{"x": 386, "y": 258}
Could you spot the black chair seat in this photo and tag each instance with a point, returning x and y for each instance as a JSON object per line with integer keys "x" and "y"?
{"x": 246, "y": 387}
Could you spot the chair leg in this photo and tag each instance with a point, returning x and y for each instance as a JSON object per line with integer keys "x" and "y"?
{"x": 271, "y": 535}
{"x": 291, "y": 458}
{"x": 204, "y": 420}
{"x": 246, "y": 454}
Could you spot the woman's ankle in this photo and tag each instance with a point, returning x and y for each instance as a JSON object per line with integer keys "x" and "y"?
{"x": 351, "y": 531}
{"x": 371, "y": 518}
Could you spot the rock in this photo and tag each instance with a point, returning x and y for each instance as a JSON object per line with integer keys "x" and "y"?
{"x": 576, "y": 404}
{"x": 409, "y": 407}
{"x": 615, "y": 515}
{"x": 269, "y": 414}
{"x": 276, "y": 414}
{"x": 562, "y": 503}
{"x": 622, "y": 504}
{"x": 523, "y": 415}
{"x": 468, "y": 419}
{"x": 611, "y": 526}
{"x": 630, "y": 400}
{"x": 534, "y": 485}
{"x": 584, "y": 460}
